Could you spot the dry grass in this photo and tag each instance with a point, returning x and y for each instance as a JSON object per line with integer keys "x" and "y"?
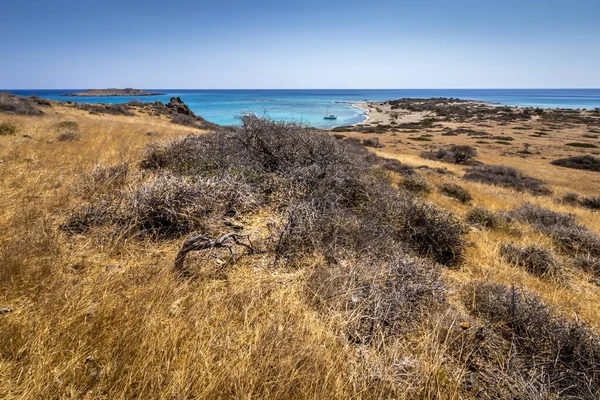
{"x": 102, "y": 315}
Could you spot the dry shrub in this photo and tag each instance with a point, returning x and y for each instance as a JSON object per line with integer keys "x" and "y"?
{"x": 373, "y": 142}
{"x": 551, "y": 355}
{"x": 68, "y": 135}
{"x": 68, "y": 125}
{"x": 456, "y": 192}
{"x": 537, "y": 260}
{"x": 456, "y": 154}
{"x": 565, "y": 231}
{"x": 508, "y": 177}
{"x": 415, "y": 183}
{"x": 570, "y": 198}
{"x": 96, "y": 213}
{"x": 589, "y": 163}
{"x": 13, "y": 104}
{"x": 111, "y": 109}
{"x": 593, "y": 203}
{"x": 165, "y": 206}
{"x": 588, "y": 264}
{"x": 432, "y": 231}
{"x": 380, "y": 296}
{"x": 327, "y": 193}
{"x": 7, "y": 129}
{"x": 576, "y": 239}
{"x": 393, "y": 165}
{"x": 541, "y": 217}
{"x": 484, "y": 217}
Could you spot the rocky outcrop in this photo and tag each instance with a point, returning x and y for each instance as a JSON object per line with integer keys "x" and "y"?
{"x": 177, "y": 106}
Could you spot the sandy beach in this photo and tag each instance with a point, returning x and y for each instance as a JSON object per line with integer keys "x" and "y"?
{"x": 381, "y": 113}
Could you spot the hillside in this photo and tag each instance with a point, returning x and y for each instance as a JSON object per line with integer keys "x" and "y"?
{"x": 147, "y": 253}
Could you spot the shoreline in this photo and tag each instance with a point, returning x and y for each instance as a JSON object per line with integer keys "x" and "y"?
{"x": 366, "y": 113}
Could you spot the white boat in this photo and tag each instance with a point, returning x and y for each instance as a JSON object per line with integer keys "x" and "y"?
{"x": 249, "y": 114}
{"x": 329, "y": 116}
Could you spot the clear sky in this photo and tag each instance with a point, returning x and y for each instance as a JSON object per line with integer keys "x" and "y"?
{"x": 47, "y": 44}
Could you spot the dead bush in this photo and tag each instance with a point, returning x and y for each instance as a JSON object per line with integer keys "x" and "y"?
{"x": 415, "y": 183}
{"x": 593, "y": 203}
{"x": 456, "y": 192}
{"x": 111, "y": 109}
{"x": 484, "y": 217}
{"x": 588, "y": 264}
{"x": 396, "y": 166}
{"x": 373, "y": 142}
{"x": 540, "y": 217}
{"x": 167, "y": 205}
{"x": 456, "y": 154}
{"x": 570, "y": 198}
{"x": 96, "y": 213}
{"x": 589, "y": 163}
{"x": 547, "y": 352}
{"x": 563, "y": 229}
{"x": 13, "y": 104}
{"x": 432, "y": 231}
{"x": 537, "y": 260}
{"x": 506, "y": 176}
{"x": 383, "y": 296}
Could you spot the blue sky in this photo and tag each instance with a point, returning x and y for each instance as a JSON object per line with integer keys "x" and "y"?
{"x": 300, "y": 44}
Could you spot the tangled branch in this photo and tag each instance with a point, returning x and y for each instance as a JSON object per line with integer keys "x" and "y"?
{"x": 198, "y": 243}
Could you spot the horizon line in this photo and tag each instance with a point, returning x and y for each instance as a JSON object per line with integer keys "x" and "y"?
{"x": 456, "y": 88}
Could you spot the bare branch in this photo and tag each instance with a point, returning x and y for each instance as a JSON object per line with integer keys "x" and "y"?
{"x": 200, "y": 242}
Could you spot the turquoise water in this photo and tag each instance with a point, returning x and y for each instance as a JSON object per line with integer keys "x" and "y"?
{"x": 309, "y": 106}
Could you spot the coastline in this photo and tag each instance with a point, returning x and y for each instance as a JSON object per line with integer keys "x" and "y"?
{"x": 366, "y": 112}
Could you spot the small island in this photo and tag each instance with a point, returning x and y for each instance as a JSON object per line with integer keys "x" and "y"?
{"x": 111, "y": 93}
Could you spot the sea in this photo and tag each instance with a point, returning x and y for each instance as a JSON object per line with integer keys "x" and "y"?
{"x": 308, "y": 106}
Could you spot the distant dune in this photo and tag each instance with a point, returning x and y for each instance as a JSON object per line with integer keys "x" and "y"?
{"x": 111, "y": 93}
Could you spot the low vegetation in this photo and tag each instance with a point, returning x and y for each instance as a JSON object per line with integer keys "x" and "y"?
{"x": 456, "y": 154}
{"x": 485, "y": 218}
{"x": 506, "y": 176}
{"x": 7, "y": 129}
{"x": 537, "y": 260}
{"x": 589, "y": 163}
{"x": 271, "y": 260}
{"x": 12, "y": 104}
{"x": 568, "y": 235}
{"x": 456, "y": 192}
{"x": 539, "y": 352}
{"x": 584, "y": 145}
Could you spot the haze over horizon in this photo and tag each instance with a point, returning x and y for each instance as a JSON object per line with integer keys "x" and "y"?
{"x": 280, "y": 45}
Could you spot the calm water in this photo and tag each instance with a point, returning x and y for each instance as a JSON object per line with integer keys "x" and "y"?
{"x": 308, "y": 106}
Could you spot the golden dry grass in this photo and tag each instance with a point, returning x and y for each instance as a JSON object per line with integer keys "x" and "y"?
{"x": 94, "y": 316}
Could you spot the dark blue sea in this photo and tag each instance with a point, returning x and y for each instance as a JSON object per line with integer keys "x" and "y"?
{"x": 309, "y": 106}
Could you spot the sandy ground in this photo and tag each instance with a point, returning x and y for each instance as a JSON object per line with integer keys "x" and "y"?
{"x": 381, "y": 113}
